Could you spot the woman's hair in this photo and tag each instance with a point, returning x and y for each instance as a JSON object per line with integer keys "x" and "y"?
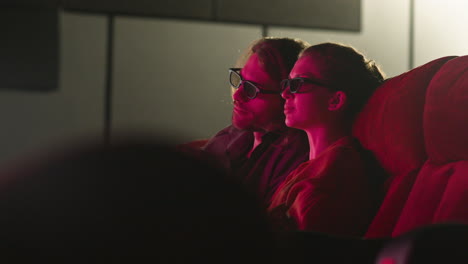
{"x": 343, "y": 68}
{"x": 277, "y": 55}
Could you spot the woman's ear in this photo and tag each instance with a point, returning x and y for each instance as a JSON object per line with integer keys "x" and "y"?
{"x": 337, "y": 101}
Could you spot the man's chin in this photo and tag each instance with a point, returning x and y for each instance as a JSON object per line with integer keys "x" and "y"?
{"x": 290, "y": 122}
{"x": 240, "y": 124}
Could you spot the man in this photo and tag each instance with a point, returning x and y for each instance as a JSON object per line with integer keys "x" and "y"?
{"x": 258, "y": 149}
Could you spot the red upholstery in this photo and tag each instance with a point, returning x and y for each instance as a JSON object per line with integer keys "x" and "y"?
{"x": 454, "y": 203}
{"x": 391, "y": 126}
{"x": 434, "y": 178}
{"x": 446, "y": 115}
{"x": 440, "y": 192}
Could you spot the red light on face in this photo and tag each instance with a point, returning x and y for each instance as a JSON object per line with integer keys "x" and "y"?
{"x": 387, "y": 261}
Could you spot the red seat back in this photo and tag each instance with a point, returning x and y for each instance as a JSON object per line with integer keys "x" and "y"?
{"x": 391, "y": 126}
{"x": 440, "y": 193}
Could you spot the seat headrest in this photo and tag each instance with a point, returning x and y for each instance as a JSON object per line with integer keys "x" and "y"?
{"x": 390, "y": 125}
{"x": 446, "y": 113}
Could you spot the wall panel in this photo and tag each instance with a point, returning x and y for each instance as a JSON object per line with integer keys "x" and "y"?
{"x": 32, "y": 121}
{"x": 171, "y": 77}
{"x": 441, "y": 29}
{"x": 384, "y": 35}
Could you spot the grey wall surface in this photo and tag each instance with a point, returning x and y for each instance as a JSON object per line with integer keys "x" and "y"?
{"x": 24, "y": 66}
{"x": 170, "y": 77}
{"x": 33, "y": 121}
{"x": 331, "y": 14}
{"x": 384, "y": 35}
{"x": 440, "y": 29}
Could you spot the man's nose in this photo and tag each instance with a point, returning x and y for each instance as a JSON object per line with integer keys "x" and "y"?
{"x": 238, "y": 94}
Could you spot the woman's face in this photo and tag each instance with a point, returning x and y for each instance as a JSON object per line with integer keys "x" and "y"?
{"x": 308, "y": 108}
{"x": 265, "y": 111}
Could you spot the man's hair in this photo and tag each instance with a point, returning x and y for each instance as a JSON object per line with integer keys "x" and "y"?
{"x": 346, "y": 69}
{"x": 276, "y": 55}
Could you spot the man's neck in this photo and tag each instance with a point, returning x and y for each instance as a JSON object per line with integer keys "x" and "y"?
{"x": 257, "y": 141}
{"x": 258, "y": 135}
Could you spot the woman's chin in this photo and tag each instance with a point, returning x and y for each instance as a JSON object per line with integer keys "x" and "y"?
{"x": 290, "y": 123}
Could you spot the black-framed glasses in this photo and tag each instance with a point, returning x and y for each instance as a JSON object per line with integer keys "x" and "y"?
{"x": 250, "y": 89}
{"x": 295, "y": 84}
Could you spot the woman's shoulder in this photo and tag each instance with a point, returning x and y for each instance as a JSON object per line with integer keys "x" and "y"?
{"x": 343, "y": 157}
{"x": 345, "y": 148}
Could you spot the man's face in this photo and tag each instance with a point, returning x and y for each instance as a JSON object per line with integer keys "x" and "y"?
{"x": 265, "y": 111}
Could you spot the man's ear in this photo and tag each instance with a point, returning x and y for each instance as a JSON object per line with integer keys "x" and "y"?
{"x": 337, "y": 101}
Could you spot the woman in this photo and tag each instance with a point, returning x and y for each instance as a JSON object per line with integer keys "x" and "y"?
{"x": 336, "y": 191}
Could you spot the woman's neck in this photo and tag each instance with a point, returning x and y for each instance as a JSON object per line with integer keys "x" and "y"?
{"x": 320, "y": 138}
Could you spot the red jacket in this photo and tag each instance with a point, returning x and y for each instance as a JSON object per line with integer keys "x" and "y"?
{"x": 338, "y": 192}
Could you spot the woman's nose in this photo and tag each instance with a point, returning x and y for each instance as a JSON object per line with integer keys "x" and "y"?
{"x": 286, "y": 93}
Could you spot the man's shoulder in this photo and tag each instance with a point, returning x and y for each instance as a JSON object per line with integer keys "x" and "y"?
{"x": 229, "y": 133}
{"x": 291, "y": 136}
{"x": 226, "y": 137}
